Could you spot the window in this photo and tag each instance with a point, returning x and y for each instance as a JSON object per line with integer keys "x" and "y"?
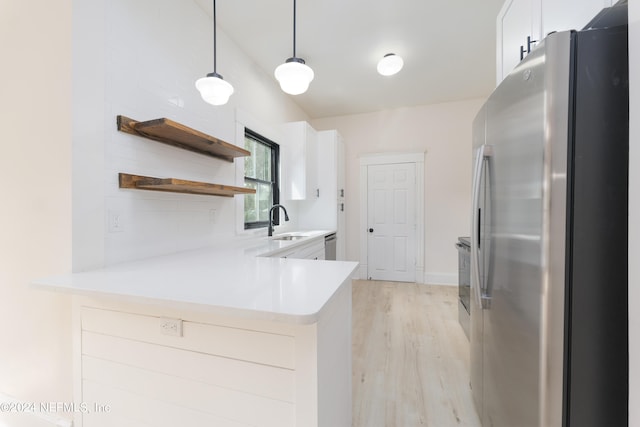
{"x": 260, "y": 173}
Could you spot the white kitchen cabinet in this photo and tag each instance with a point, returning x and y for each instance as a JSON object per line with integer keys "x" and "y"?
{"x": 299, "y": 165}
{"x": 327, "y": 212}
{"x": 522, "y": 23}
{"x": 341, "y": 253}
{"x": 518, "y": 27}
{"x": 218, "y": 370}
{"x": 311, "y": 250}
{"x": 569, "y": 14}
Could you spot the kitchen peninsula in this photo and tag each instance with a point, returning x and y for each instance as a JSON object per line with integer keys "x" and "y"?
{"x": 233, "y": 336}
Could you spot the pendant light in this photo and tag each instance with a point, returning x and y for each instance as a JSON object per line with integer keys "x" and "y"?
{"x": 213, "y": 89}
{"x": 294, "y": 75}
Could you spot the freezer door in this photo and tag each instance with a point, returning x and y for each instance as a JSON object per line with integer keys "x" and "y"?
{"x": 515, "y": 323}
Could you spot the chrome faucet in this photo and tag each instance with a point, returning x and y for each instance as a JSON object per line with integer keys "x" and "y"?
{"x": 286, "y": 217}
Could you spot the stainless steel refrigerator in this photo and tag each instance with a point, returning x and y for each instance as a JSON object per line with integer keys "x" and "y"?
{"x": 549, "y": 323}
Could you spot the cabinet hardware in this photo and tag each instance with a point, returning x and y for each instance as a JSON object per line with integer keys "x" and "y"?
{"x": 529, "y": 43}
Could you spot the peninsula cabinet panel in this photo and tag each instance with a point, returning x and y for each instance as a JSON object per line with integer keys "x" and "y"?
{"x": 194, "y": 395}
{"x": 263, "y": 380}
{"x": 133, "y": 410}
{"x": 220, "y": 370}
{"x": 241, "y": 344}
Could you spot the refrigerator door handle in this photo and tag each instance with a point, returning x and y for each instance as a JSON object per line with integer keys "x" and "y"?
{"x": 484, "y": 152}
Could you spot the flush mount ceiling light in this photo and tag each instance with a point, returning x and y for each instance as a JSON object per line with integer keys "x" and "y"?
{"x": 390, "y": 64}
{"x": 294, "y": 75}
{"x": 213, "y": 89}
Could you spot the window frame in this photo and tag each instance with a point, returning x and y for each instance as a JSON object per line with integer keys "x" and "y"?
{"x": 275, "y": 177}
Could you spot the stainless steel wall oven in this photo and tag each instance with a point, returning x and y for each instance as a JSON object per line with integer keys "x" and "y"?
{"x": 464, "y": 282}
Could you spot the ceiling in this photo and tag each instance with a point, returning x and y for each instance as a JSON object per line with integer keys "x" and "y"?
{"x": 448, "y": 48}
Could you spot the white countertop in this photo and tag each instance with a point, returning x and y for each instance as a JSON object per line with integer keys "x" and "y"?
{"x": 241, "y": 281}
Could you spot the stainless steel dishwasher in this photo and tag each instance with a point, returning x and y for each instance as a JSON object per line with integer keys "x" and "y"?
{"x": 330, "y": 246}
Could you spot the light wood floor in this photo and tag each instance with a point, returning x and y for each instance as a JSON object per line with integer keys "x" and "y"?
{"x": 410, "y": 357}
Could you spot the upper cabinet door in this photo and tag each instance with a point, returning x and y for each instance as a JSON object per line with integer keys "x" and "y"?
{"x": 299, "y": 163}
{"x": 569, "y": 14}
{"x": 341, "y": 179}
{"x": 518, "y": 28}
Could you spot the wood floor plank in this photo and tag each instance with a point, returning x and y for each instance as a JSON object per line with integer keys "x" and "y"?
{"x": 410, "y": 357}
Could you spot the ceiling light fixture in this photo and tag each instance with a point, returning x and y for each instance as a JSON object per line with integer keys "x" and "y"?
{"x": 213, "y": 89}
{"x": 294, "y": 75}
{"x": 390, "y": 64}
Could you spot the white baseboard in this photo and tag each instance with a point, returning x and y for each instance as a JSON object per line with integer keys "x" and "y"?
{"x": 445, "y": 279}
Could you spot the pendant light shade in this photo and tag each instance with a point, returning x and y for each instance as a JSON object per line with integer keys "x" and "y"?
{"x": 213, "y": 89}
{"x": 390, "y": 64}
{"x": 294, "y": 75}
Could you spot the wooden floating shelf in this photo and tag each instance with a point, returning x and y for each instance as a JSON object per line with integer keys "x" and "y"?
{"x": 178, "y": 135}
{"x": 174, "y": 185}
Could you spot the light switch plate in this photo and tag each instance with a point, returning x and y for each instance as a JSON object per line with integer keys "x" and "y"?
{"x": 115, "y": 222}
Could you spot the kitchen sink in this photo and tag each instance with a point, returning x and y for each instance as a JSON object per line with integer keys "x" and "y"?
{"x": 287, "y": 237}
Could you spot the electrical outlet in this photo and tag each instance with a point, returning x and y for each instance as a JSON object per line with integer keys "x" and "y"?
{"x": 171, "y": 327}
{"x": 115, "y": 222}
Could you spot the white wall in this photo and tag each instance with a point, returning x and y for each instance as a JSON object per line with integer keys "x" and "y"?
{"x": 141, "y": 59}
{"x": 444, "y": 131}
{"x": 634, "y": 214}
{"x": 35, "y": 167}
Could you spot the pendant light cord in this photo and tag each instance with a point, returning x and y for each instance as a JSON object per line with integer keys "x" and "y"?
{"x": 294, "y": 28}
{"x": 214, "y": 37}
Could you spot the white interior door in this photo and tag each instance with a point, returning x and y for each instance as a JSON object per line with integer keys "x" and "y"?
{"x": 391, "y": 222}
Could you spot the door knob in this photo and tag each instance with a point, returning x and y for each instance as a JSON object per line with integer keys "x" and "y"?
{"x": 371, "y": 230}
